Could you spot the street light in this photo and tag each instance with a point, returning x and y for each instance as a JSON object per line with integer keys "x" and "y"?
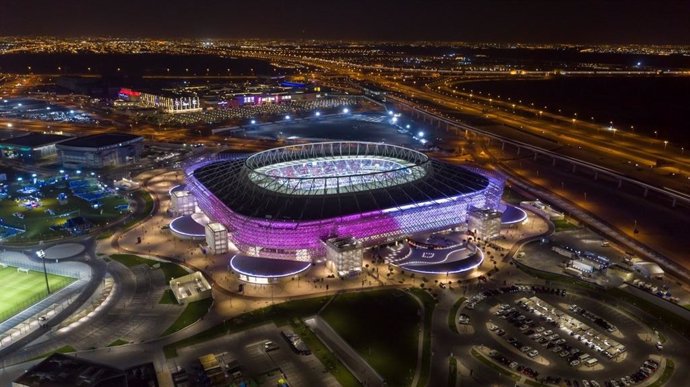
{"x": 42, "y": 255}
{"x": 665, "y": 144}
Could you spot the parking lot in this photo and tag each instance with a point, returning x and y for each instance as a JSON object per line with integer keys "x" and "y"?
{"x": 264, "y": 363}
{"x": 552, "y": 335}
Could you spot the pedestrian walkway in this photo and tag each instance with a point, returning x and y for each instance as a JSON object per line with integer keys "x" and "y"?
{"x": 350, "y": 358}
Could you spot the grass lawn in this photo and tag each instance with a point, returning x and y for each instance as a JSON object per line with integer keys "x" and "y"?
{"x": 452, "y": 314}
{"x": 38, "y": 222}
{"x": 668, "y": 371}
{"x": 563, "y": 225}
{"x": 429, "y": 305}
{"x": 281, "y": 314}
{"x": 118, "y": 342}
{"x": 191, "y": 314}
{"x": 452, "y": 371}
{"x": 168, "y": 297}
{"x": 63, "y": 349}
{"x": 383, "y": 327}
{"x": 327, "y": 358}
{"x": 20, "y": 290}
{"x": 171, "y": 270}
{"x": 500, "y": 370}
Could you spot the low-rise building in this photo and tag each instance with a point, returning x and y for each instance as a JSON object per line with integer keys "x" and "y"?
{"x": 101, "y": 150}
{"x": 31, "y": 147}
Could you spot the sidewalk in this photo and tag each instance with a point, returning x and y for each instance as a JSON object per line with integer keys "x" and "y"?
{"x": 350, "y": 358}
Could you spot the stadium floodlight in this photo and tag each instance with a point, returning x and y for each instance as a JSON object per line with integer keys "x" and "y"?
{"x": 20, "y": 178}
{"x": 390, "y": 112}
{"x": 33, "y": 175}
{"x": 287, "y": 117}
{"x": 78, "y": 171}
{"x": 19, "y": 105}
{"x": 62, "y": 171}
{"x": 346, "y": 110}
{"x": 407, "y": 126}
{"x": 253, "y": 122}
{"x": 420, "y": 134}
{"x": 317, "y": 114}
{"x": 71, "y": 112}
{"x": 42, "y": 254}
{"x": 394, "y": 119}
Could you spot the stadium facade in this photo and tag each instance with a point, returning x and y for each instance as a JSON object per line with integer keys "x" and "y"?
{"x": 285, "y": 202}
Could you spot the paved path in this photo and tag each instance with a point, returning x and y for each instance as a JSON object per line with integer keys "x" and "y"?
{"x": 352, "y": 360}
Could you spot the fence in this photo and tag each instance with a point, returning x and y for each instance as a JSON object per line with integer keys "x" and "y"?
{"x": 50, "y": 268}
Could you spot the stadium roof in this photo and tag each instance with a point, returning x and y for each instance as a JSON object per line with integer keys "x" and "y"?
{"x": 35, "y": 140}
{"x": 229, "y": 181}
{"x": 101, "y": 140}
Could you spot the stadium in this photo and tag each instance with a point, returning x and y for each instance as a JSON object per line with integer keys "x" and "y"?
{"x": 287, "y": 202}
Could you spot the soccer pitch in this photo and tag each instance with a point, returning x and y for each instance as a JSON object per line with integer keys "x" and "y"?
{"x": 19, "y": 290}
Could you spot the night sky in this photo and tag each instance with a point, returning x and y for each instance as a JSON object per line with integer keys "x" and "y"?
{"x": 583, "y": 21}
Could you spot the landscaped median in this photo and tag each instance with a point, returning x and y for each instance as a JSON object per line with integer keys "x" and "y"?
{"x": 452, "y": 315}
{"x": 170, "y": 270}
{"x": 429, "y": 304}
{"x": 480, "y": 353}
{"x": 452, "y": 371}
{"x": 280, "y": 314}
{"x": 192, "y": 312}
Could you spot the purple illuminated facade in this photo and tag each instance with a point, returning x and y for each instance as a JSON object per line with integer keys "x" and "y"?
{"x": 393, "y": 193}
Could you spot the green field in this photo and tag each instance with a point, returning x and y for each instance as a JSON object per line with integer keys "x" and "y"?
{"x": 20, "y": 290}
{"x": 382, "y": 326}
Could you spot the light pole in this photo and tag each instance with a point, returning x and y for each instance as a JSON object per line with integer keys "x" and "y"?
{"x": 42, "y": 255}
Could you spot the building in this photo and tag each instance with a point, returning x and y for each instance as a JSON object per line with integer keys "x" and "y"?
{"x": 649, "y": 269}
{"x": 167, "y": 102}
{"x": 216, "y": 238}
{"x": 282, "y": 204}
{"x": 344, "y": 256}
{"x": 31, "y": 147}
{"x": 182, "y": 202}
{"x": 100, "y": 150}
{"x": 59, "y": 370}
{"x": 190, "y": 288}
{"x": 485, "y": 223}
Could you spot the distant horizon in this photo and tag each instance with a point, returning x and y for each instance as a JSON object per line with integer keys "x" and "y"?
{"x": 537, "y": 21}
{"x": 343, "y": 40}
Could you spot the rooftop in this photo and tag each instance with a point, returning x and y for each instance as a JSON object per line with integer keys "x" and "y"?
{"x": 36, "y": 140}
{"x": 62, "y": 370}
{"x": 101, "y": 140}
